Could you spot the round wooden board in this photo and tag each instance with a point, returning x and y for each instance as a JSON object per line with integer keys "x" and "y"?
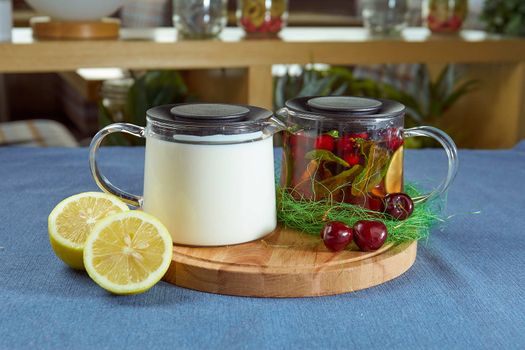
{"x": 286, "y": 263}
{"x": 45, "y": 28}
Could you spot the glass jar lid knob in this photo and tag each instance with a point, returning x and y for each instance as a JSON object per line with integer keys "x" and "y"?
{"x": 210, "y": 111}
{"x": 344, "y": 104}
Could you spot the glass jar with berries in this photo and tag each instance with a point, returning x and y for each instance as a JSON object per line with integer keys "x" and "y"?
{"x": 350, "y": 149}
{"x": 262, "y": 18}
{"x": 446, "y": 16}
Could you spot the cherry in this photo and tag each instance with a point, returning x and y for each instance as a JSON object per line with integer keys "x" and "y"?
{"x": 398, "y": 205}
{"x": 374, "y": 203}
{"x": 336, "y": 235}
{"x": 369, "y": 235}
{"x": 325, "y": 142}
{"x": 369, "y": 201}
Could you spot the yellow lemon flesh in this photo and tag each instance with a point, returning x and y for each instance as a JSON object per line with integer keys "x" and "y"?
{"x": 394, "y": 174}
{"x": 128, "y": 253}
{"x": 71, "y": 221}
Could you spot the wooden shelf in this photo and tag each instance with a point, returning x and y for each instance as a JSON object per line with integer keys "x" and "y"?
{"x": 498, "y": 62}
{"x": 158, "y": 48}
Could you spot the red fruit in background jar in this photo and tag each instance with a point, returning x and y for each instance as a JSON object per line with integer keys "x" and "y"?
{"x": 274, "y": 25}
{"x": 398, "y": 205}
{"x": 325, "y": 142}
{"x": 264, "y": 27}
{"x": 248, "y": 25}
{"x": 455, "y": 23}
{"x": 336, "y": 235}
{"x": 369, "y": 235}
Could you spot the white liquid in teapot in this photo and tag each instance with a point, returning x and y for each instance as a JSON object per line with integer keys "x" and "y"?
{"x": 211, "y": 194}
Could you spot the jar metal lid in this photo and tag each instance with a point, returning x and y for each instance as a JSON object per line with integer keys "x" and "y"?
{"x": 210, "y": 111}
{"x": 205, "y": 119}
{"x": 346, "y": 104}
{"x": 344, "y": 108}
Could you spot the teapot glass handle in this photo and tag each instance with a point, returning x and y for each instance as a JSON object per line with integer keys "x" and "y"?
{"x": 102, "y": 182}
{"x": 452, "y": 155}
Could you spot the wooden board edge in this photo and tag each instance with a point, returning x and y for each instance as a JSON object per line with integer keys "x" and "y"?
{"x": 352, "y": 277}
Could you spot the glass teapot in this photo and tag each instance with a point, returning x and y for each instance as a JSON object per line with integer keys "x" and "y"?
{"x": 350, "y": 149}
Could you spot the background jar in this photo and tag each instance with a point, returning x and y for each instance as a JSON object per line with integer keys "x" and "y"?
{"x": 446, "y": 16}
{"x": 199, "y": 19}
{"x": 262, "y": 18}
{"x": 385, "y": 18}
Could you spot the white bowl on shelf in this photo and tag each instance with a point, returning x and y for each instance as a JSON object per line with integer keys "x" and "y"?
{"x": 76, "y": 10}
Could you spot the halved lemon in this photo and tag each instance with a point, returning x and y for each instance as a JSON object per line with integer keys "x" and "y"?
{"x": 127, "y": 253}
{"x": 394, "y": 174}
{"x": 71, "y": 221}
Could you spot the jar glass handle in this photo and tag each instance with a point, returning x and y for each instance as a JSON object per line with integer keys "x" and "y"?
{"x": 452, "y": 155}
{"x": 102, "y": 182}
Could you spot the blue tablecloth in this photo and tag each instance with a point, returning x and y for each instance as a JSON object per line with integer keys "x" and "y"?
{"x": 464, "y": 291}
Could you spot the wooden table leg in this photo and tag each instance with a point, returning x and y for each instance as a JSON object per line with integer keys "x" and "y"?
{"x": 260, "y": 86}
{"x": 519, "y": 77}
{"x": 4, "y": 106}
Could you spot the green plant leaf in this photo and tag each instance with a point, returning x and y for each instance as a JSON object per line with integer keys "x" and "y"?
{"x": 373, "y": 172}
{"x": 333, "y": 133}
{"x": 327, "y": 156}
{"x": 332, "y": 184}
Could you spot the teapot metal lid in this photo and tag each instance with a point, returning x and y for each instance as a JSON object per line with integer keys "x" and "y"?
{"x": 344, "y": 108}
{"x": 204, "y": 119}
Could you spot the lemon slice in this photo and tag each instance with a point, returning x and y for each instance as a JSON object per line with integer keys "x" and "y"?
{"x": 394, "y": 174}
{"x": 72, "y": 219}
{"x": 127, "y": 253}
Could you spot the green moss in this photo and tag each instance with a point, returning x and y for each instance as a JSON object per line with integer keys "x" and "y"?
{"x": 310, "y": 216}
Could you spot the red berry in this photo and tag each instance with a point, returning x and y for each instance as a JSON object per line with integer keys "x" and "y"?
{"x": 353, "y": 157}
{"x": 336, "y": 235}
{"x": 325, "y": 142}
{"x": 398, "y": 205}
{"x": 345, "y": 144}
{"x": 393, "y": 138}
{"x": 374, "y": 203}
{"x": 369, "y": 235}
